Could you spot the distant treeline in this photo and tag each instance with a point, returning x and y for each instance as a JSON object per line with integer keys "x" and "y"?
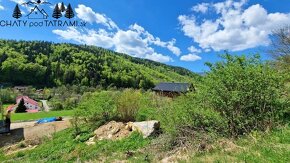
{"x": 42, "y": 63}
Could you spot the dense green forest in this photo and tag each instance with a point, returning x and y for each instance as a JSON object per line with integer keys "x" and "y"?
{"x": 42, "y": 63}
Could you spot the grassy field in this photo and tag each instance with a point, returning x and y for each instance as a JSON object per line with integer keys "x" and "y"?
{"x": 259, "y": 147}
{"x": 64, "y": 148}
{"x": 35, "y": 116}
{"x": 6, "y": 105}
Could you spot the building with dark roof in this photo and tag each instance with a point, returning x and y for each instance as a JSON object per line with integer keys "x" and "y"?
{"x": 173, "y": 89}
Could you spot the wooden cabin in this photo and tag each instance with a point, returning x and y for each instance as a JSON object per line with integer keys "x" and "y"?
{"x": 173, "y": 89}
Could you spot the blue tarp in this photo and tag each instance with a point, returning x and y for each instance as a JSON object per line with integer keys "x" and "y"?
{"x": 46, "y": 120}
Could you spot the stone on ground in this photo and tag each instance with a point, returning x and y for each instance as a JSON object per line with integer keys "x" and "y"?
{"x": 147, "y": 128}
{"x": 119, "y": 130}
{"x": 111, "y": 131}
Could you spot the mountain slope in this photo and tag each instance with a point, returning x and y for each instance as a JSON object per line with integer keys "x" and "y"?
{"x": 48, "y": 64}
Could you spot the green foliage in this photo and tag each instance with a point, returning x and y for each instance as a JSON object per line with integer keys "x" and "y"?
{"x": 66, "y": 97}
{"x": 145, "y": 114}
{"x": 237, "y": 96}
{"x": 150, "y": 105}
{"x": 258, "y": 147}
{"x": 98, "y": 106}
{"x": 40, "y": 115}
{"x": 7, "y": 95}
{"x": 21, "y": 108}
{"x": 246, "y": 92}
{"x": 185, "y": 120}
{"x": 63, "y": 147}
{"x": 47, "y": 64}
{"x": 128, "y": 104}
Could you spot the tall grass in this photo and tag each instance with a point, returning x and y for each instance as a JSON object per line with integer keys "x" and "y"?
{"x": 128, "y": 104}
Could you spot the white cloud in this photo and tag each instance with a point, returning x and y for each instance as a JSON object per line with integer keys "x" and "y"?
{"x": 190, "y": 57}
{"x": 202, "y": 7}
{"x": 135, "y": 41}
{"x": 90, "y": 37}
{"x": 1, "y": 7}
{"x": 87, "y": 14}
{"x": 235, "y": 27}
{"x": 193, "y": 49}
{"x": 18, "y": 1}
{"x": 170, "y": 45}
{"x": 23, "y": 6}
{"x": 159, "y": 57}
{"x": 123, "y": 41}
{"x": 128, "y": 42}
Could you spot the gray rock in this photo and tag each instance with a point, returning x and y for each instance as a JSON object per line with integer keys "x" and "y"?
{"x": 147, "y": 128}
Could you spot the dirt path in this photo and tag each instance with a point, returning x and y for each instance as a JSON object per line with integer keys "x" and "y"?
{"x": 45, "y": 105}
{"x": 28, "y": 131}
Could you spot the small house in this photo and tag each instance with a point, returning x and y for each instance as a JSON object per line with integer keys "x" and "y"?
{"x": 173, "y": 89}
{"x": 31, "y": 105}
{"x": 21, "y": 88}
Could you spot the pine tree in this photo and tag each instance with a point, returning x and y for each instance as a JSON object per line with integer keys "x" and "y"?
{"x": 56, "y": 12}
{"x": 69, "y": 12}
{"x": 62, "y": 7}
{"x": 21, "y": 108}
{"x": 17, "y": 13}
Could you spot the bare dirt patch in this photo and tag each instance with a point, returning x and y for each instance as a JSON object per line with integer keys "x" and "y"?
{"x": 31, "y": 133}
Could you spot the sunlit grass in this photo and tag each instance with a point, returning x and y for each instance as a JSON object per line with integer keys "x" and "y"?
{"x": 36, "y": 116}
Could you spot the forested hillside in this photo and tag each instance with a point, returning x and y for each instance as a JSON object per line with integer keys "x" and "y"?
{"x": 48, "y": 64}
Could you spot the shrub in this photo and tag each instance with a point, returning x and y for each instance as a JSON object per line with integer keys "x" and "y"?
{"x": 246, "y": 92}
{"x": 150, "y": 104}
{"x": 7, "y": 96}
{"x": 56, "y": 105}
{"x": 128, "y": 104}
{"x": 146, "y": 113}
{"x": 99, "y": 106}
{"x": 186, "y": 121}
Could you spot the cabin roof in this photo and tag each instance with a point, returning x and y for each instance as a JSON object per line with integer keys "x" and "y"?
{"x": 172, "y": 87}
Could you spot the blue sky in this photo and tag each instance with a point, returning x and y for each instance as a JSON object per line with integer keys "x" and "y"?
{"x": 183, "y": 33}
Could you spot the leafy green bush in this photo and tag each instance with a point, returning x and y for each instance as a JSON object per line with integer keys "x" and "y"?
{"x": 150, "y": 105}
{"x": 247, "y": 92}
{"x": 128, "y": 104}
{"x": 56, "y": 105}
{"x": 7, "y": 96}
{"x": 185, "y": 120}
{"x": 145, "y": 114}
{"x": 99, "y": 106}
